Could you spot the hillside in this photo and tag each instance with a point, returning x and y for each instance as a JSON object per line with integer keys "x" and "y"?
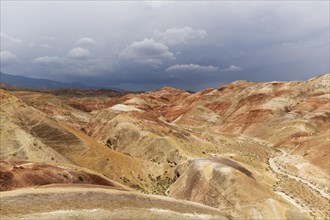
{"x": 248, "y": 150}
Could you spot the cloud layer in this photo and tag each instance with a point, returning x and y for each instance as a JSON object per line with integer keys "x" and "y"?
{"x": 8, "y": 57}
{"x": 54, "y": 61}
{"x": 232, "y": 68}
{"x": 4, "y": 36}
{"x": 145, "y": 45}
{"x": 191, "y": 68}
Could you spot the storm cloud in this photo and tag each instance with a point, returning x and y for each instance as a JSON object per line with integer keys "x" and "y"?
{"x": 146, "y": 45}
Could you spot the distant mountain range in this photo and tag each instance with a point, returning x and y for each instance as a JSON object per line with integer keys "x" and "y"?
{"x": 35, "y": 83}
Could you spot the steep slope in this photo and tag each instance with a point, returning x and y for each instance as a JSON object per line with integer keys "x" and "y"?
{"x": 251, "y": 123}
{"x": 285, "y": 114}
{"x": 228, "y": 186}
{"x": 28, "y": 134}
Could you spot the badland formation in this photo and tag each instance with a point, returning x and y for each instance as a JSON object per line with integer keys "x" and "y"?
{"x": 241, "y": 151}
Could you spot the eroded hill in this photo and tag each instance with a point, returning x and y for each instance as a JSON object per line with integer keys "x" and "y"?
{"x": 250, "y": 150}
{"x": 70, "y": 192}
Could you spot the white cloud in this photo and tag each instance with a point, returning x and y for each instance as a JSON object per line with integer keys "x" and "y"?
{"x": 4, "y": 36}
{"x": 49, "y": 61}
{"x": 178, "y": 35}
{"x": 79, "y": 53}
{"x": 147, "y": 51}
{"x": 7, "y": 57}
{"x": 232, "y": 68}
{"x": 85, "y": 41}
{"x": 192, "y": 68}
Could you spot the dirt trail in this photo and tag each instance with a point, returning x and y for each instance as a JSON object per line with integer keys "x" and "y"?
{"x": 280, "y": 170}
{"x": 304, "y": 194}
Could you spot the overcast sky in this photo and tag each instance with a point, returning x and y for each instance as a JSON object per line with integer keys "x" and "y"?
{"x": 146, "y": 45}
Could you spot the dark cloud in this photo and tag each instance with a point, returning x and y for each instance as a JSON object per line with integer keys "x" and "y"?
{"x": 145, "y": 45}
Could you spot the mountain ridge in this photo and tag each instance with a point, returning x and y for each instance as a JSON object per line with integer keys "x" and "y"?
{"x": 40, "y": 83}
{"x": 250, "y": 150}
